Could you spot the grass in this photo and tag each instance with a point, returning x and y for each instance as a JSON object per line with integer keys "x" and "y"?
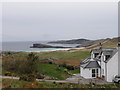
{"x": 63, "y": 55}
{"x": 24, "y": 84}
{"x": 52, "y": 70}
{"x": 76, "y": 71}
{"x": 69, "y": 57}
{"x": 60, "y": 55}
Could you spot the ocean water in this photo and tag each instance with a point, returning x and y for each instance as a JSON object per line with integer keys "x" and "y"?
{"x": 25, "y": 46}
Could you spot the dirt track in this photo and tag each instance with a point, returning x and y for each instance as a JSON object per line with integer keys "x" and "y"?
{"x": 74, "y": 79}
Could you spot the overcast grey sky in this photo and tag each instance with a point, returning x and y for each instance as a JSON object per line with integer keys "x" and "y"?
{"x": 59, "y": 20}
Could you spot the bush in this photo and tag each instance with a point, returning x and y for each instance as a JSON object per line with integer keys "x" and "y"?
{"x": 8, "y": 74}
{"x": 31, "y": 78}
{"x": 50, "y": 62}
{"x": 68, "y": 66}
{"x": 27, "y": 78}
{"x": 23, "y": 77}
{"x": 40, "y": 76}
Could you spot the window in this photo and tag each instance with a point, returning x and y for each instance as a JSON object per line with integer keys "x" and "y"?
{"x": 107, "y": 57}
{"x": 96, "y": 54}
{"x": 94, "y": 72}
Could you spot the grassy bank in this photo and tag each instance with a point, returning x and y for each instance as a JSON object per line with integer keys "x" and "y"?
{"x": 9, "y": 83}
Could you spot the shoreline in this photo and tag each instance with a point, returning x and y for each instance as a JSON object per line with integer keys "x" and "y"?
{"x": 38, "y": 51}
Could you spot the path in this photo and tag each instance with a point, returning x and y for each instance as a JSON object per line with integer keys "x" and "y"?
{"x": 17, "y": 78}
{"x": 74, "y": 79}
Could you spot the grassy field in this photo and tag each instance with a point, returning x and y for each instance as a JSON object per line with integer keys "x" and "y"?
{"x": 59, "y": 55}
{"x": 13, "y": 61}
{"x": 52, "y": 70}
{"x": 9, "y": 83}
{"x": 69, "y": 57}
{"x": 64, "y": 55}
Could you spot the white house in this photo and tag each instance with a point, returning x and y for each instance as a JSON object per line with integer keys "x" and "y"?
{"x": 103, "y": 63}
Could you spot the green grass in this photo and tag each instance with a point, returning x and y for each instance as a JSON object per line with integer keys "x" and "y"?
{"x": 62, "y": 55}
{"x": 24, "y": 84}
{"x": 76, "y": 71}
{"x": 52, "y": 71}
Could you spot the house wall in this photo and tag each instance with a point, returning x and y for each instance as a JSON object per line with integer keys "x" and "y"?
{"x": 87, "y": 72}
{"x": 92, "y": 55}
{"x": 103, "y": 71}
{"x": 112, "y": 68}
{"x": 119, "y": 61}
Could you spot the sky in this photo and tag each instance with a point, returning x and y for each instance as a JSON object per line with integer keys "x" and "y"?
{"x": 43, "y": 21}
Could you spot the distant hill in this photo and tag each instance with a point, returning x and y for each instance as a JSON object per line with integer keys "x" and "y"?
{"x": 90, "y": 44}
{"x": 107, "y": 43}
{"x": 73, "y": 41}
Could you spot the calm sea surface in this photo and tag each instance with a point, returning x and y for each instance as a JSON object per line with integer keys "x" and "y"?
{"x": 25, "y": 46}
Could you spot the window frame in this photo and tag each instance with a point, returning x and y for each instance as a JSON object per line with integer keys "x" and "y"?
{"x": 95, "y": 72}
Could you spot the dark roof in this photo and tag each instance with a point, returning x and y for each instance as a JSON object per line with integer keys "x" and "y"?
{"x": 103, "y": 50}
{"x": 85, "y": 61}
{"x": 88, "y": 63}
{"x": 112, "y": 54}
{"x": 91, "y": 64}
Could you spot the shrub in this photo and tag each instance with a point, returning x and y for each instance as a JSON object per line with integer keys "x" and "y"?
{"x": 50, "y": 62}
{"x": 40, "y": 76}
{"x": 68, "y": 66}
{"x": 27, "y": 78}
{"x": 23, "y": 77}
{"x": 8, "y": 74}
{"x": 31, "y": 78}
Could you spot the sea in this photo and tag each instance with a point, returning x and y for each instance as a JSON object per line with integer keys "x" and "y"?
{"x": 24, "y": 46}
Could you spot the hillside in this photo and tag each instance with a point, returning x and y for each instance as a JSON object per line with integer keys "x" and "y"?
{"x": 73, "y": 41}
{"x": 91, "y": 44}
{"x": 106, "y": 43}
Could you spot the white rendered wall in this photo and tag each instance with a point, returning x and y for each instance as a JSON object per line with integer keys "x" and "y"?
{"x": 103, "y": 72}
{"x": 86, "y": 73}
{"x": 112, "y": 68}
{"x": 92, "y": 55}
{"x": 119, "y": 61}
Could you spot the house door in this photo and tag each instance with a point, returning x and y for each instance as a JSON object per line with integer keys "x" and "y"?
{"x": 94, "y": 73}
